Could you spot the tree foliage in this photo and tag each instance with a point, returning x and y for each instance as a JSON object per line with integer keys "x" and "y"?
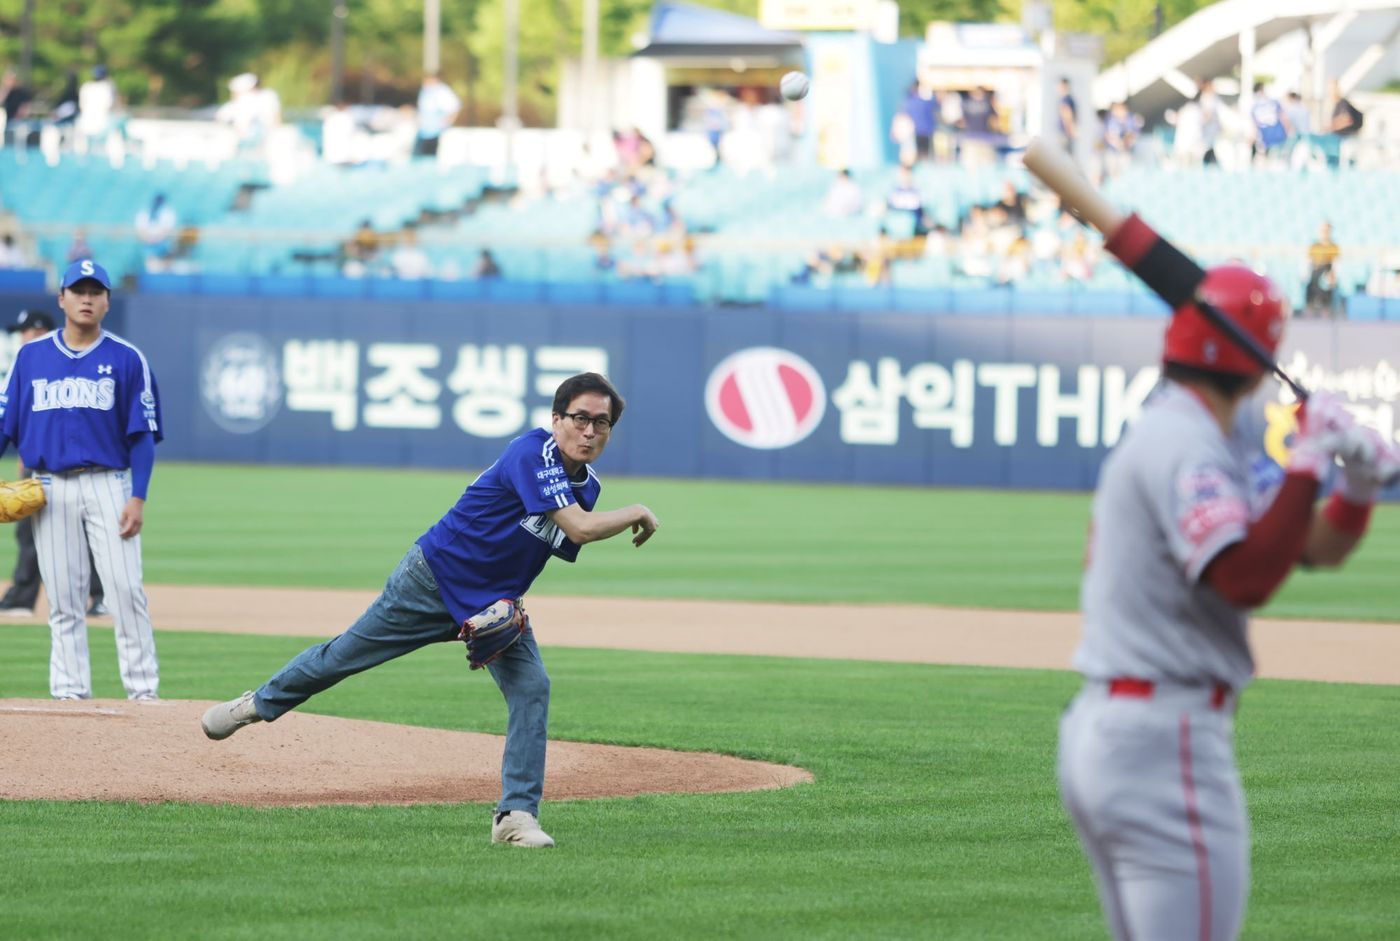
{"x": 1124, "y": 25}
{"x": 182, "y": 52}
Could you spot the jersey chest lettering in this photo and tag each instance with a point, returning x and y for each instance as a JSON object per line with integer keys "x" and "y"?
{"x": 74, "y": 392}
{"x": 544, "y": 529}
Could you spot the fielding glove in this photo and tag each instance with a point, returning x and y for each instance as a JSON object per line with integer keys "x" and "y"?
{"x": 491, "y": 632}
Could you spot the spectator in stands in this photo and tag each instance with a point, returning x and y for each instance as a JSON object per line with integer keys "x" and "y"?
{"x": 155, "y": 227}
{"x": 1078, "y": 258}
{"x": 675, "y": 258}
{"x": 1015, "y": 261}
{"x": 844, "y": 198}
{"x": 1209, "y": 101}
{"x": 1012, "y": 204}
{"x": 1188, "y": 139}
{"x": 64, "y": 114}
{"x": 97, "y": 102}
{"x": 1067, "y": 113}
{"x": 950, "y": 122}
{"x": 486, "y": 266}
{"x": 921, "y": 106}
{"x": 340, "y": 137}
{"x": 601, "y": 245}
{"x": 1346, "y": 123}
{"x": 906, "y": 198}
{"x": 902, "y": 136}
{"x": 1299, "y": 121}
{"x": 715, "y": 118}
{"x": 1271, "y": 128}
{"x": 635, "y": 221}
{"x": 14, "y": 101}
{"x": 253, "y": 111}
{"x": 408, "y": 260}
{"x": 1120, "y": 137}
{"x": 11, "y": 255}
{"x": 79, "y": 249}
{"x": 438, "y": 106}
{"x": 634, "y": 149}
{"x": 979, "y": 127}
{"x": 360, "y": 251}
{"x": 827, "y": 261}
{"x": 877, "y": 258}
{"x": 1346, "y": 118}
{"x": 1320, "y": 295}
{"x": 1385, "y": 278}
{"x": 975, "y": 244}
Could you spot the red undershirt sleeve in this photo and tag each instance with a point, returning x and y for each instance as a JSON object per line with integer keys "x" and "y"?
{"x": 1248, "y": 572}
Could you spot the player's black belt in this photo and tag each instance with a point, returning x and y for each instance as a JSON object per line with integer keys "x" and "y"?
{"x": 85, "y": 469}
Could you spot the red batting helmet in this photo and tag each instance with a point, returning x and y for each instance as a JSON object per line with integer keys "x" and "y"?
{"x": 1247, "y": 298}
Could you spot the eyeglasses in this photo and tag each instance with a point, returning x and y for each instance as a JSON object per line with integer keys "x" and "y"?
{"x": 602, "y": 424}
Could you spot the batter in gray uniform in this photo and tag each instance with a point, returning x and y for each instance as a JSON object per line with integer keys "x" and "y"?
{"x": 1190, "y": 531}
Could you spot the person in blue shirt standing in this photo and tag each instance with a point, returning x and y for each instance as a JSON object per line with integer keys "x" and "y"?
{"x": 438, "y": 105}
{"x": 19, "y": 599}
{"x": 83, "y": 407}
{"x": 464, "y": 580}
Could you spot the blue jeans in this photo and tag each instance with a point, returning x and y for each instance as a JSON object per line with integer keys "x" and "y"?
{"x": 409, "y": 614}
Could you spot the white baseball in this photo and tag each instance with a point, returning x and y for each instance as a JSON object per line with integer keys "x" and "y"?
{"x": 795, "y": 86}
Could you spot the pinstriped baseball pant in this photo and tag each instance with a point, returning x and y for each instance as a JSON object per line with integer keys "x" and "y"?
{"x": 82, "y": 510}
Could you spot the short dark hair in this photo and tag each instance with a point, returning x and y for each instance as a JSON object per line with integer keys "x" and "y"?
{"x": 575, "y": 386}
{"x": 1228, "y": 384}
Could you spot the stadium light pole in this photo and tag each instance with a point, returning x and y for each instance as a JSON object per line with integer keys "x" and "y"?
{"x": 432, "y": 36}
{"x": 339, "y": 13}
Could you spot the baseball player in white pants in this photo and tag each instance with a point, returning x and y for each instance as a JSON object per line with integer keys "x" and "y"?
{"x": 87, "y": 504}
{"x": 1190, "y": 531}
{"x": 83, "y": 407}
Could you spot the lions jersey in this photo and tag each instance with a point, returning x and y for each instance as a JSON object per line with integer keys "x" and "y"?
{"x": 70, "y": 408}
{"x": 495, "y": 541}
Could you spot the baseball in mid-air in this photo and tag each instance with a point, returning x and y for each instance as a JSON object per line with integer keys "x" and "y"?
{"x": 795, "y": 86}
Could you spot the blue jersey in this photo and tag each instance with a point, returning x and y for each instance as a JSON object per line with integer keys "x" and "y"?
{"x": 74, "y": 408}
{"x": 496, "y": 540}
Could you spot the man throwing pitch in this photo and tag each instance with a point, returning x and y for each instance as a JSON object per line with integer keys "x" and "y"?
{"x": 83, "y": 407}
{"x": 1190, "y": 531}
{"x": 463, "y": 580}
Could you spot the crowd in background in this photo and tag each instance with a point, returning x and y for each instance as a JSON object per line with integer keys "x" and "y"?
{"x": 639, "y": 232}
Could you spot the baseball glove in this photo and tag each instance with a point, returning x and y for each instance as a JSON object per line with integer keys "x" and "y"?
{"x": 20, "y": 498}
{"x": 490, "y": 633}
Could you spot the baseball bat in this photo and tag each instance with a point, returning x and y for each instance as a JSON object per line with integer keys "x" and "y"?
{"x": 1160, "y": 264}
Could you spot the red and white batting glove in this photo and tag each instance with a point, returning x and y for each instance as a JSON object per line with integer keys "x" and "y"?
{"x": 1369, "y": 464}
{"x": 1323, "y": 428}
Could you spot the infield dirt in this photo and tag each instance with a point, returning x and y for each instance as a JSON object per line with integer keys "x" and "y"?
{"x": 115, "y": 750}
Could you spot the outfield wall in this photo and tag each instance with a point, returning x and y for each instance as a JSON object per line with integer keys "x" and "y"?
{"x": 994, "y": 400}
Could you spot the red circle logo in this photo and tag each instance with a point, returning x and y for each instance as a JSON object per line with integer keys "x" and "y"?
{"x": 765, "y": 397}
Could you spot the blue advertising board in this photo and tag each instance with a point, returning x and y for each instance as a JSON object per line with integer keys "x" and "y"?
{"x": 988, "y": 400}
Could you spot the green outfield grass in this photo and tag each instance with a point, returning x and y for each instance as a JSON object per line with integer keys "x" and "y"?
{"x": 934, "y": 812}
{"x": 748, "y": 541}
{"x": 933, "y": 815}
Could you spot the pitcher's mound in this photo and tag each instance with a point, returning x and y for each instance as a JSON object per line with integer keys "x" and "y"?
{"x": 115, "y": 750}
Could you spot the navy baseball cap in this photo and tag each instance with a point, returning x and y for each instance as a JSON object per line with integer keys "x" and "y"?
{"x": 31, "y": 320}
{"x": 85, "y": 270}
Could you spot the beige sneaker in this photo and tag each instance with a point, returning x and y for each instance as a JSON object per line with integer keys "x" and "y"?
{"x": 519, "y": 829}
{"x": 223, "y": 720}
